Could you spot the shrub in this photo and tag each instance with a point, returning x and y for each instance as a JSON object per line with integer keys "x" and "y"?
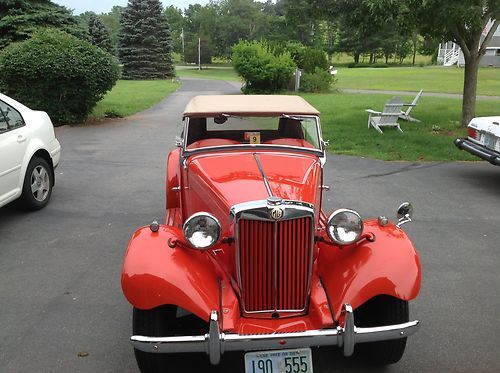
{"x": 378, "y": 65}
{"x": 262, "y": 70}
{"x": 57, "y": 73}
{"x": 309, "y": 59}
{"x": 318, "y": 81}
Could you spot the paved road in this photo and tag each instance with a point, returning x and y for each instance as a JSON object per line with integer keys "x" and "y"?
{"x": 60, "y": 267}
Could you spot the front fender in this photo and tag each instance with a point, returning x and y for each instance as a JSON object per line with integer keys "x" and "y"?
{"x": 154, "y": 274}
{"x": 355, "y": 274}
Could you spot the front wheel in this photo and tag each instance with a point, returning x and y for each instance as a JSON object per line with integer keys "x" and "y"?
{"x": 37, "y": 186}
{"x": 380, "y": 311}
{"x": 163, "y": 322}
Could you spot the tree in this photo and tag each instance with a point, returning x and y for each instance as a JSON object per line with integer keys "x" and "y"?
{"x": 112, "y": 22}
{"x": 19, "y": 19}
{"x": 466, "y": 23}
{"x": 99, "y": 34}
{"x": 191, "y": 51}
{"x": 176, "y": 21}
{"x": 144, "y": 42}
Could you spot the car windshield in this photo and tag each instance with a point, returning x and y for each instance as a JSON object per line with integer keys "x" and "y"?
{"x": 227, "y": 130}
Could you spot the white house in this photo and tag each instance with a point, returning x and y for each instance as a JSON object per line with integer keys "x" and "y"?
{"x": 450, "y": 53}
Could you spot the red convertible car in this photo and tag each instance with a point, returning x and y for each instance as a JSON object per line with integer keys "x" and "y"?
{"x": 247, "y": 260}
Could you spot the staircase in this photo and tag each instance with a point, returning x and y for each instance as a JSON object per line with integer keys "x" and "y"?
{"x": 451, "y": 57}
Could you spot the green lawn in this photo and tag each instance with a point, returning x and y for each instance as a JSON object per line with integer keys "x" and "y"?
{"x": 219, "y": 73}
{"x": 430, "y": 79}
{"x": 129, "y": 97}
{"x": 344, "y": 123}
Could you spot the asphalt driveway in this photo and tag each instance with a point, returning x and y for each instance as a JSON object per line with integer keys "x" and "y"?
{"x": 61, "y": 306}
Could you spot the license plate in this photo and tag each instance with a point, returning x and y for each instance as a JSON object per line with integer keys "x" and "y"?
{"x": 279, "y": 361}
{"x": 489, "y": 141}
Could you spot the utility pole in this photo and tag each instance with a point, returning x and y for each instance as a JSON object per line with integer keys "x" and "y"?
{"x": 183, "y": 53}
{"x": 199, "y": 53}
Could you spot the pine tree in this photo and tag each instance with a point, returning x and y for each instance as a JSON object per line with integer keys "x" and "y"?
{"x": 19, "y": 19}
{"x": 144, "y": 42}
{"x": 99, "y": 34}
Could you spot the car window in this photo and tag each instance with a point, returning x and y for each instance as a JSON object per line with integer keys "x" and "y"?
{"x": 10, "y": 118}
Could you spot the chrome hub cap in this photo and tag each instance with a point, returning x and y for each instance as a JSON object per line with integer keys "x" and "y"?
{"x": 40, "y": 183}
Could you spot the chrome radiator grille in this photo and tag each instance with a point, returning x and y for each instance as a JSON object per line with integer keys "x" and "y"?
{"x": 275, "y": 264}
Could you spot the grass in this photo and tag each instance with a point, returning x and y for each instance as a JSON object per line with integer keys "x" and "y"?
{"x": 220, "y": 73}
{"x": 129, "y": 97}
{"x": 344, "y": 123}
{"x": 430, "y": 79}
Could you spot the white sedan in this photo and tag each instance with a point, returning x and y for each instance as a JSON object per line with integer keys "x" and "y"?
{"x": 483, "y": 139}
{"x": 29, "y": 153}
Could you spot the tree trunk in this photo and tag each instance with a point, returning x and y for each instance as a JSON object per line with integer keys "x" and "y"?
{"x": 356, "y": 57}
{"x": 414, "y": 40}
{"x": 470, "y": 88}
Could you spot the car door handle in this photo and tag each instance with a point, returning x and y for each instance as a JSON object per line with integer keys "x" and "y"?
{"x": 21, "y": 138}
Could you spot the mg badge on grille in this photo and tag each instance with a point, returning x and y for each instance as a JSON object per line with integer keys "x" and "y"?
{"x": 277, "y": 213}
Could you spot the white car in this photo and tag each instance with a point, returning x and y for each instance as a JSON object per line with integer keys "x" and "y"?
{"x": 29, "y": 153}
{"x": 483, "y": 139}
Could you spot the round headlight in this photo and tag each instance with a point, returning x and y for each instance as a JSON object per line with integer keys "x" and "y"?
{"x": 344, "y": 226}
{"x": 202, "y": 230}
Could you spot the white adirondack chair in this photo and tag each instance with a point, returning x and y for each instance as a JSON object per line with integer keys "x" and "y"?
{"x": 387, "y": 118}
{"x": 405, "y": 115}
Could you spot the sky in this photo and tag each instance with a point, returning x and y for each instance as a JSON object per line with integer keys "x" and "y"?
{"x": 104, "y": 6}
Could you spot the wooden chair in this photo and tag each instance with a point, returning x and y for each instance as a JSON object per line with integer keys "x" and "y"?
{"x": 405, "y": 115}
{"x": 388, "y": 117}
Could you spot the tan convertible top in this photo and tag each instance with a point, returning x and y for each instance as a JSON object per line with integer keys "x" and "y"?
{"x": 248, "y": 105}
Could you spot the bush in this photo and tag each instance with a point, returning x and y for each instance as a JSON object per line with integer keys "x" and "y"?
{"x": 262, "y": 70}
{"x": 378, "y": 65}
{"x": 318, "y": 81}
{"x": 309, "y": 59}
{"x": 57, "y": 73}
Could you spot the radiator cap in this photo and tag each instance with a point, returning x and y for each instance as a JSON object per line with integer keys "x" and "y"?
{"x": 274, "y": 201}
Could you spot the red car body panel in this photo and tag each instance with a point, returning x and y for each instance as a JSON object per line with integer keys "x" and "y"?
{"x": 155, "y": 274}
{"x": 217, "y": 181}
{"x": 357, "y": 273}
{"x": 173, "y": 182}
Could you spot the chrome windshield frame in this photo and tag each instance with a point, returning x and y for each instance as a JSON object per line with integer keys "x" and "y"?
{"x": 319, "y": 152}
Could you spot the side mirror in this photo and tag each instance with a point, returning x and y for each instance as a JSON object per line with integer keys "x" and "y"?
{"x": 404, "y": 213}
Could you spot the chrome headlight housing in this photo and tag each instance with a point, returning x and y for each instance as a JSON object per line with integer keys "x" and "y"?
{"x": 202, "y": 230}
{"x": 344, "y": 227}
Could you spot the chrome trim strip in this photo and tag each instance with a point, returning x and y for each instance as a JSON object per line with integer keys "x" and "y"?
{"x": 264, "y": 177}
{"x": 210, "y": 149}
{"x": 215, "y": 342}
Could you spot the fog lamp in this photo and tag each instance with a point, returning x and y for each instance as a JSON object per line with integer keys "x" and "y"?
{"x": 202, "y": 230}
{"x": 344, "y": 226}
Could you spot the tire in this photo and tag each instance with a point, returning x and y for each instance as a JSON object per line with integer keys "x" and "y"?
{"x": 38, "y": 183}
{"x": 379, "y": 311}
{"x": 162, "y": 322}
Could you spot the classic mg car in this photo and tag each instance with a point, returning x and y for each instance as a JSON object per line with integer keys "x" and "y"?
{"x": 483, "y": 139}
{"x": 248, "y": 261}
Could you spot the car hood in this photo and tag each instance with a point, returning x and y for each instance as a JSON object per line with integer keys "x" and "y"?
{"x": 216, "y": 182}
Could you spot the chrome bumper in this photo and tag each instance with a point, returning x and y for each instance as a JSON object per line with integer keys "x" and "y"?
{"x": 482, "y": 152}
{"x": 215, "y": 343}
